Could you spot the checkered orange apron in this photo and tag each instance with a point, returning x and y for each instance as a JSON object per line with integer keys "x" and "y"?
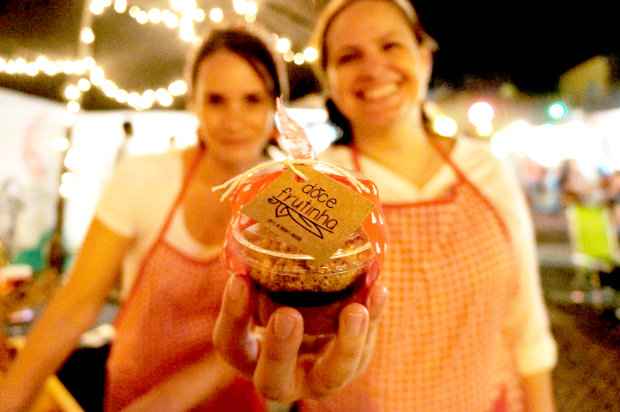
{"x": 166, "y": 324}
{"x": 442, "y": 345}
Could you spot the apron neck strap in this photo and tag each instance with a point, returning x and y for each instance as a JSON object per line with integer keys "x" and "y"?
{"x": 184, "y": 186}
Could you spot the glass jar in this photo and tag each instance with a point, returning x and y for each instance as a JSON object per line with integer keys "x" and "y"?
{"x": 283, "y": 276}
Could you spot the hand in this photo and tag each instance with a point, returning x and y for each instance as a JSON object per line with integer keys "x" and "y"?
{"x": 275, "y": 364}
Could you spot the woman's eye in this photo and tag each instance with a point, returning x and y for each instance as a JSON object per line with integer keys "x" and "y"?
{"x": 390, "y": 45}
{"x": 253, "y": 99}
{"x": 215, "y": 99}
{"x": 346, "y": 58}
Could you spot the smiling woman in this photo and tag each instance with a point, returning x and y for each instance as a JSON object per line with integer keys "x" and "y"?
{"x": 368, "y": 91}
{"x": 466, "y": 328}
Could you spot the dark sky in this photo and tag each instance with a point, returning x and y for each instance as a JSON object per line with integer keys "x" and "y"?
{"x": 529, "y": 42}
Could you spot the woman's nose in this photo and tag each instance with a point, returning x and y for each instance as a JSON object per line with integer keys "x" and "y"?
{"x": 233, "y": 110}
{"x": 232, "y": 116}
{"x": 373, "y": 63}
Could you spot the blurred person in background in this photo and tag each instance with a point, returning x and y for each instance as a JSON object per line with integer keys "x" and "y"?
{"x": 612, "y": 196}
{"x": 465, "y": 328}
{"x": 574, "y": 188}
{"x": 160, "y": 222}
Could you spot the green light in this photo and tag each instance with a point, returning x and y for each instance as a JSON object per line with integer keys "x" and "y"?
{"x": 557, "y": 110}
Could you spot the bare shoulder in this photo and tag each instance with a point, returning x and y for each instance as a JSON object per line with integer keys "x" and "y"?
{"x": 148, "y": 167}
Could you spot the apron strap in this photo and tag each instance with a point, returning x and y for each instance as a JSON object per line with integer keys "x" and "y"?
{"x": 461, "y": 178}
{"x": 177, "y": 201}
{"x": 147, "y": 256}
{"x": 184, "y": 186}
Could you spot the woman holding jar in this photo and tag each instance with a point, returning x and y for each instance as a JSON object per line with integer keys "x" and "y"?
{"x": 159, "y": 221}
{"x": 465, "y": 328}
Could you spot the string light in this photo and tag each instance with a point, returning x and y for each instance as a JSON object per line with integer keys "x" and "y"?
{"x": 289, "y": 56}
{"x": 120, "y": 6}
{"x": 73, "y": 106}
{"x": 445, "y": 126}
{"x": 142, "y": 17}
{"x": 170, "y": 19}
{"x": 96, "y": 8}
{"x": 133, "y": 11}
{"x": 87, "y": 35}
{"x": 283, "y": 45}
{"x": 177, "y": 88}
{"x": 21, "y": 66}
{"x": 84, "y": 85}
{"x": 298, "y": 59}
{"x": 310, "y": 54}
{"x": 154, "y": 16}
{"x": 216, "y": 15}
{"x": 182, "y": 15}
{"x": 199, "y": 15}
{"x": 72, "y": 92}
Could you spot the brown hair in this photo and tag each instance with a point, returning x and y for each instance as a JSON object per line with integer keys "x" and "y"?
{"x": 252, "y": 46}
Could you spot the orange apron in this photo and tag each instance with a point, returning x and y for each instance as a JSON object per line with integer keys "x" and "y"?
{"x": 166, "y": 324}
{"x": 442, "y": 344}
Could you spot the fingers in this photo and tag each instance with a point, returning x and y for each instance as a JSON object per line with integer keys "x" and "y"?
{"x": 376, "y": 301}
{"x": 232, "y": 335}
{"x": 339, "y": 363}
{"x": 276, "y": 375}
{"x": 376, "y": 305}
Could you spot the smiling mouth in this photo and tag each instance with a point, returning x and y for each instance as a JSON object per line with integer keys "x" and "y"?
{"x": 378, "y": 93}
{"x": 238, "y": 142}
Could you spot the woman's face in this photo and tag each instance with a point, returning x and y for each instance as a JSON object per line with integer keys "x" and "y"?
{"x": 234, "y": 108}
{"x": 376, "y": 70}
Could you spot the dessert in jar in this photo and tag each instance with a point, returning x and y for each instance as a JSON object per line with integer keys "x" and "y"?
{"x": 309, "y": 235}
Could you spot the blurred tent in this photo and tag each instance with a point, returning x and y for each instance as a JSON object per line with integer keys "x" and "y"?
{"x": 29, "y": 168}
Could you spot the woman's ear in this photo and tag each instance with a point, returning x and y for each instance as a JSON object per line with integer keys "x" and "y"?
{"x": 426, "y": 63}
{"x": 427, "y": 58}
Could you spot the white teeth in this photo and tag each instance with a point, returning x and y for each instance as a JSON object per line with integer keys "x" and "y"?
{"x": 381, "y": 91}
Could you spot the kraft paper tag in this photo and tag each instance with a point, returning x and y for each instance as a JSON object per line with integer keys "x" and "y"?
{"x": 315, "y": 215}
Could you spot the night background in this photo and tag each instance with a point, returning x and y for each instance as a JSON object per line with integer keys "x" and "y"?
{"x": 496, "y": 79}
{"x": 529, "y": 43}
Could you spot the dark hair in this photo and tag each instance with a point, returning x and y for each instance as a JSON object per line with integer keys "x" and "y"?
{"x": 251, "y": 48}
{"x": 335, "y": 117}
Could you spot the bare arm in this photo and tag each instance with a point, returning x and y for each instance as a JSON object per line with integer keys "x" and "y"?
{"x": 188, "y": 387}
{"x": 538, "y": 392}
{"x": 72, "y": 310}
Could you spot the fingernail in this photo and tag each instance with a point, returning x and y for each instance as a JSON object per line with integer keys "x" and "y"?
{"x": 353, "y": 325}
{"x": 283, "y": 325}
{"x": 236, "y": 290}
{"x": 378, "y": 298}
